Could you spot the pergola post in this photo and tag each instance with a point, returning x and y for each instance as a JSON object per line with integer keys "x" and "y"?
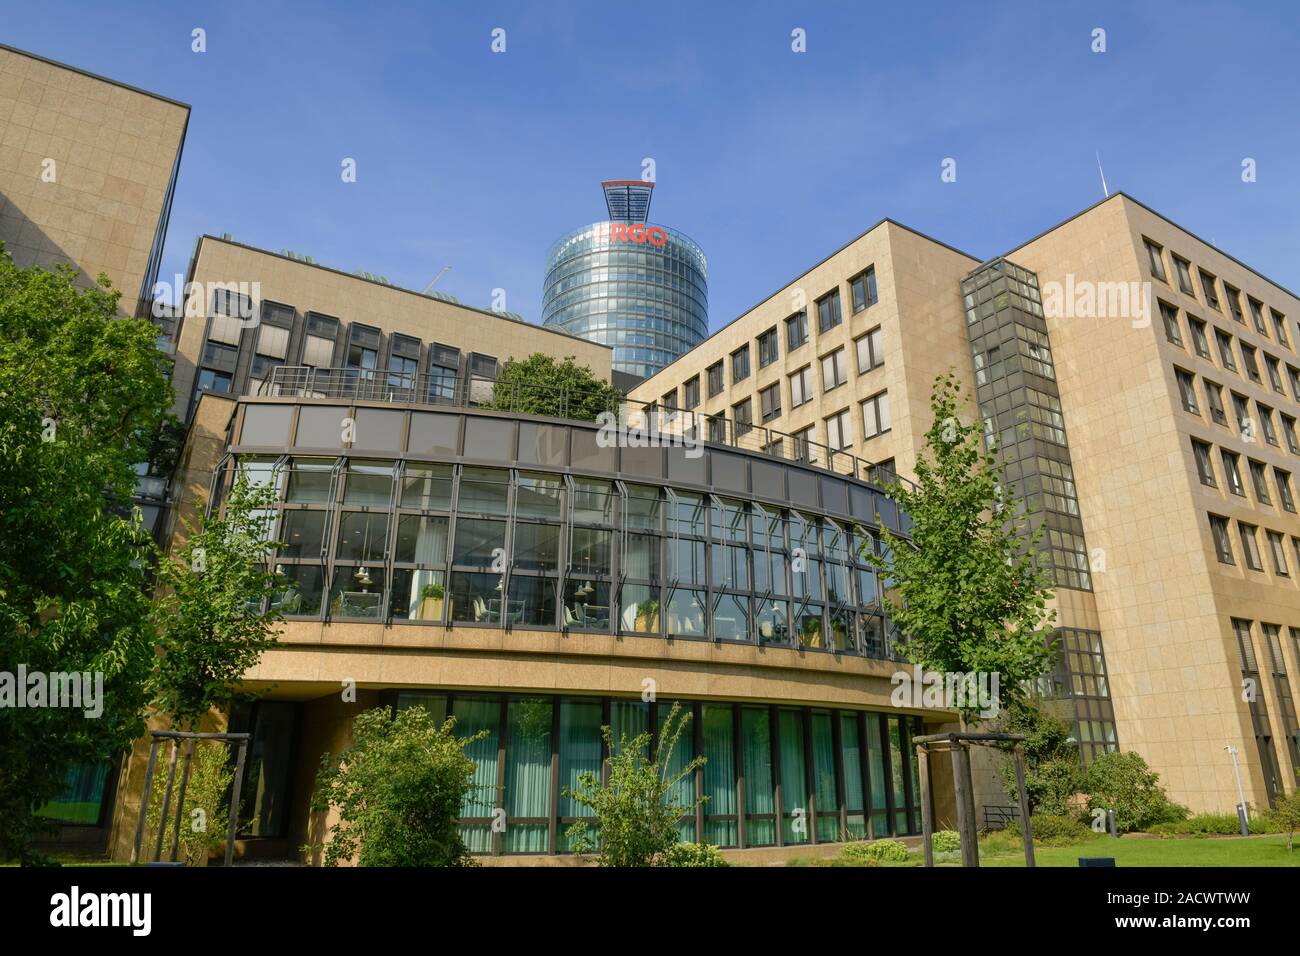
{"x": 1026, "y": 825}
{"x": 923, "y": 774}
{"x": 970, "y": 854}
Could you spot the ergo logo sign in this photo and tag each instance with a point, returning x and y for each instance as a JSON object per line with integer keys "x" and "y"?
{"x": 637, "y": 232}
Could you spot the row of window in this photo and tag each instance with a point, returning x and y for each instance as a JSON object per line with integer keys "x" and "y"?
{"x": 1224, "y": 345}
{"x": 773, "y": 775}
{"x": 1248, "y": 537}
{"x": 1258, "y": 471}
{"x": 1253, "y": 420}
{"x": 1275, "y": 664}
{"x": 1209, "y": 294}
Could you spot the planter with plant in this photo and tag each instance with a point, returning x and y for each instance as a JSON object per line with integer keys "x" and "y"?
{"x": 647, "y": 616}
{"x": 431, "y": 596}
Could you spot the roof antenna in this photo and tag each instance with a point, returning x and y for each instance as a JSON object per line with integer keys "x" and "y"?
{"x": 1103, "y": 175}
{"x": 428, "y": 288}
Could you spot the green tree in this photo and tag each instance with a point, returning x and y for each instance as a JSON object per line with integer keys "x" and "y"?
{"x": 540, "y": 385}
{"x": 213, "y": 615}
{"x": 1122, "y": 781}
{"x": 635, "y": 810}
{"x": 82, "y": 396}
{"x": 204, "y": 817}
{"x": 398, "y": 791}
{"x": 966, "y": 592}
{"x": 1286, "y": 815}
{"x": 1053, "y": 771}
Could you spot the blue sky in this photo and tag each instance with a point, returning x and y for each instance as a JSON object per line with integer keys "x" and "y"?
{"x": 769, "y": 159}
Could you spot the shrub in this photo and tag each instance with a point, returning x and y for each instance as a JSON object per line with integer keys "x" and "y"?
{"x": 398, "y": 789}
{"x": 861, "y": 853}
{"x": 692, "y": 854}
{"x": 1052, "y": 767}
{"x": 206, "y": 812}
{"x": 1055, "y": 829}
{"x": 1285, "y": 816}
{"x": 1214, "y": 824}
{"x": 1124, "y": 783}
{"x": 635, "y": 814}
{"x": 946, "y": 841}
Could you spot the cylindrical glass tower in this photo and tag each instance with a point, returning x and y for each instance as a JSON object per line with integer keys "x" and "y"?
{"x": 638, "y": 287}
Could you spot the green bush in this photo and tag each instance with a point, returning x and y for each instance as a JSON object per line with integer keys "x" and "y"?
{"x": 1214, "y": 824}
{"x": 692, "y": 854}
{"x": 861, "y": 853}
{"x": 1124, "y": 783}
{"x": 1053, "y": 773}
{"x": 1055, "y": 829}
{"x": 946, "y": 841}
{"x": 206, "y": 812}
{"x": 1285, "y": 817}
{"x": 399, "y": 790}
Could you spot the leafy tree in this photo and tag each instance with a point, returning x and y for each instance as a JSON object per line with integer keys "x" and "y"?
{"x": 398, "y": 789}
{"x": 970, "y": 596}
{"x": 212, "y": 626}
{"x": 1122, "y": 781}
{"x": 1286, "y": 816}
{"x": 1053, "y": 770}
{"x": 206, "y": 812}
{"x": 540, "y": 385}
{"x": 82, "y": 395}
{"x": 636, "y": 814}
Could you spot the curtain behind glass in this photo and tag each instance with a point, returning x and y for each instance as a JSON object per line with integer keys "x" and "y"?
{"x": 897, "y": 774}
{"x": 876, "y": 765}
{"x": 471, "y": 717}
{"x": 528, "y": 774}
{"x": 580, "y": 749}
{"x": 794, "y": 786}
{"x": 628, "y": 718}
{"x": 823, "y": 747}
{"x": 719, "y": 774}
{"x": 852, "y": 757}
{"x": 683, "y": 793}
{"x": 756, "y": 742}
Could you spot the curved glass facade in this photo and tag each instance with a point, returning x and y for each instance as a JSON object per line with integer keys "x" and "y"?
{"x": 649, "y": 302}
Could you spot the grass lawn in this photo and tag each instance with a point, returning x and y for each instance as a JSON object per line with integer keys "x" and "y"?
{"x": 1269, "y": 850}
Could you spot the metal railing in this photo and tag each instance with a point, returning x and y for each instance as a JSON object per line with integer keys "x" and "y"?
{"x": 645, "y": 423}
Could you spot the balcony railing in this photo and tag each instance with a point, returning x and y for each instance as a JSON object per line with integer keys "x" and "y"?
{"x": 646, "y": 423}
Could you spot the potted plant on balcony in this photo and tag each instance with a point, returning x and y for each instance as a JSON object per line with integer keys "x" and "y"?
{"x": 431, "y": 602}
{"x": 647, "y": 615}
{"x": 811, "y": 632}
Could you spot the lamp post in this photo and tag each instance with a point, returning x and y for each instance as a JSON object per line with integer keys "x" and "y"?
{"x": 1242, "y": 819}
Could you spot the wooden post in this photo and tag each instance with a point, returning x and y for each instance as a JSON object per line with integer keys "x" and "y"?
{"x": 144, "y": 799}
{"x": 180, "y": 797}
{"x": 167, "y": 800}
{"x": 965, "y": 812}
{"x": 923, "y": 774}
{"x": 1026, "y": 827}
{"x": 236, "y": 793}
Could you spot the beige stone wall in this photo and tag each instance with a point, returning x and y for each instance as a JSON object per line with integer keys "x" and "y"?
{"x": 113, "y": 150}
{"x": 1163, "y": 600}
{"x": 353, "y": 299}
{"x": 918, "y": 311}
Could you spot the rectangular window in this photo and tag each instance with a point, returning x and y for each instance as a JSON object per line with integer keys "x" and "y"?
{"x": 1155, "y": 254}
{"x": 714, "y": 375}
{"x": 1266, "y": 423}
{"x": 863, "y": 289}
{"x": 796, "y": 331}
{"x": 1279, "y": 327}
{"x": 770, "y": 402}
{"x": 1222, "y": 541}
{"x": 1214, "y": 399}
{"x": 691, "y": 392}
{"x": 1232, "y": 472}
{"x": 718, "y": 429}
{"x": 1204, "y": 463}
{"x": 1169, "y": 315}
{"x": 1274, "y": 373}
{"x": 801, "y": 387}
{"x": 828, "y": 311}
{"x": 1224, "y": 341}
{"x": 767, "y": 348}
{"x": 839, "y": 430}
{"x": 1259, "y": 480}
{"x": 1187, "y": 391}
{"x": 1250, "y": 545}
{"x": 1283, "y": 481}
{"x": 1293, "y": 376}
{"x": 743, "y": 417}
{"x": 740, "y": 365}
{"x": 803, "y": 441}
{"x": 1256, "y": 313}
{"x": 1182, "y": 268}
{"x": 1234, "y": 307}
{"x": 1199, "y": 342}
{"x": 1211, "y": 297}
{"x": 1252, "y": 366}
{"x": 871, "y": 351}
{"x": 1288, "y": 430}
{"x": 834, "y": 372}
{"x": 875, "y": 415}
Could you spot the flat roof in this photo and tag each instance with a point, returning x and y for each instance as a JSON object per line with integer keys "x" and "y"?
{"x": 94, "y": 76}
{"x": 383, "y": 285}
